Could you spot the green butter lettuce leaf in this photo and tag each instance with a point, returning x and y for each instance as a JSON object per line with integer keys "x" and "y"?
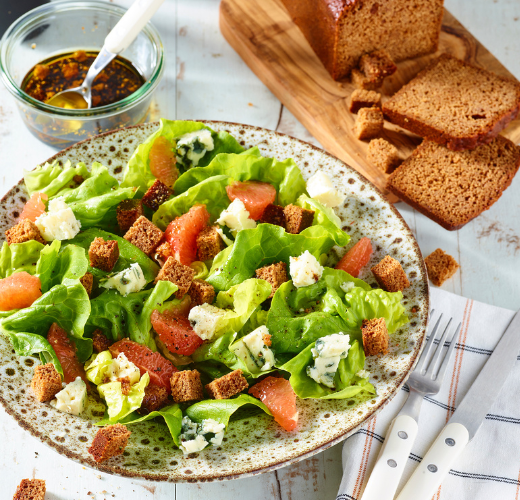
{"x": 137, "y": 173}
{"x": 19, "y": 257}
{"x": 347, "y": 383}
{"x": 128, "y": 316}
{"x": 92, "y": 199}
{"x": 240, "y": 301}
{"x": 325, "y": 217}
{"x": 221, "y": 410}
{"x": 299, "y": 316}
{"x": 128, "y": 254}
{"x": 172, "y": 416}
{"x": 285, "y": 175}
{"x": 120, "y": 405}
{"x": 67, "y": 305}
{"x": 97, "y": 367}
{"x": 61, "y": 265}
{"x": 264, "y": 245}
{"x": 210, "y": 192}
{"x": 369, "y": 304}
{"x": 52, "y": 178}
{"x": 26, "y": 344}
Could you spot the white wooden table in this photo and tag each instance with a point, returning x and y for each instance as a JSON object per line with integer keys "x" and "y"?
{"x": 205, "y": 79}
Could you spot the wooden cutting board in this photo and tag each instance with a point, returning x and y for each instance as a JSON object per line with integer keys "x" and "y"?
{"x": 264, "y": 35}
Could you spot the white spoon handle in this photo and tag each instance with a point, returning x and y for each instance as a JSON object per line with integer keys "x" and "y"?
{"x": 130, "y": 25}
{"x": 392, "y": 459}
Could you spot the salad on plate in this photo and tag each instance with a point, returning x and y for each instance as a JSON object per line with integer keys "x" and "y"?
{"x": 203, "y": 283}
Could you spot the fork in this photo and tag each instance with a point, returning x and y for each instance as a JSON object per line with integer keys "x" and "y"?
{"x": 425, "y": 380}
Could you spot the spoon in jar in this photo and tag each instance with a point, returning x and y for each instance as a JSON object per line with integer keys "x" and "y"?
{"x": 119, "y": 38}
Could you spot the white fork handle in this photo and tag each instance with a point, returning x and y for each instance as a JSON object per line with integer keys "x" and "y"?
{"x": 130, "y": 25}
{"x": 389, "y": 468}
{"x": 436, "y": 463}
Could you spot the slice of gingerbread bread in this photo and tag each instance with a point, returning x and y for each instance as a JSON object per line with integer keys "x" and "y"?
{"x": 454, "y": 103}
{"x": 453, "y": 187}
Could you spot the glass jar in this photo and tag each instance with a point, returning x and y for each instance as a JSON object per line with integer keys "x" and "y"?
{"x": 66, "y": 26}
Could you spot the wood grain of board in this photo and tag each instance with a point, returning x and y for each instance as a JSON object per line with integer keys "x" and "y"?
{"x": 264, "y": 35}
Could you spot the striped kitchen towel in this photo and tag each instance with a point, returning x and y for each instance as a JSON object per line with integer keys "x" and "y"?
{"x": 489, "y": 468}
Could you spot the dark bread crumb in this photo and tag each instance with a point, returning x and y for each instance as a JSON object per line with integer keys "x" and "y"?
{"x": 144, "y": 235}
{"x": 369, "y": 123}
{"x": 275, "y": 274}
{"x": 103, "y": 254}
{"x": 390, "y": 275}
{"x": 375, "y": 336}
{"x": 440, "y": 266}
{"x": 186, "y": 386}
{"x": 25, "y": 230}
{"x": 364, "y": 99}
{"x": 110, "y": 441}
{"x": 383, "y": 155}
{"x": 227, "y": 386}
{"x": 178, "y": 274}
{"x": 46, "y": 382}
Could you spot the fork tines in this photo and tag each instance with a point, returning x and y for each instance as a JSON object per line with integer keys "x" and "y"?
{"x": 432, "y": 365}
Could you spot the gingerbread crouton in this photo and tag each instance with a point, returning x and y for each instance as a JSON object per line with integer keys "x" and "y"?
{"x": 227, "y": 386}
{"x": 25, "y": 230}
{"x": 110, "y": 441}
{"x": 361, "y": 81}
{"x": 209, "y": 243}
{"x": 30, "y": 489}
{"x": 46, "y": 382}
{"x": 162, "y": 252}
{"x": 156, "y": 195}
{"x": 297, "y": 219}
{"x": 144, "y": 235}
{"x": 369, "y": 123}
{"x": 440, "y": 266}
{"x": 100, "y": 341}
{"x": 178, "y": 274}
{"x": 273, "y": 214}
{"x": 201, "y": 292}
{"x": 375, "y": 336}
{"x": 390, "y": 275}
{"x": 383, "y": 155}
{"x": 128, "y": 211}
{"x": 186, "y": 386}
{"x": 155, "y": 398}
{"x": 88, "y": 282}
{"x": 364, "y": 99}
{"x": 275, "y": 274}
{"x": 377, "y": 65}
{"x": 103, "y": 254}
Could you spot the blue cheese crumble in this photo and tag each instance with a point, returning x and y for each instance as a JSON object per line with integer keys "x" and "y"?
{"x": 59, "y": 222}
{"x": 192, "y": 147}
{"x": 196, "y": 436}
{"x": 72, "y": 398}
{"x": 129, "y": 280}
{"x": 236, "y": 217}
{"x": 320, "y": 187}
{"x": 254, "y": 351}
{"x": 305, "y": 270}
{"x": 205, "y": 320}
{"x": 327, "y": 353}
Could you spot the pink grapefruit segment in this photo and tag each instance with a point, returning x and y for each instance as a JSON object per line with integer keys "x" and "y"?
{"x": 182, "y": 233}
{"x": 34, "y": 207}
{"x": 66, "y": 352}
{"x": 254, "y": 195}
{"x": 356, "y": 258}
{"x": 176, "y": 333}
{"x": 159, "y": 368}
{"x": 18, "y": 291}
{"x": 278, "y": 395}
{"x": 163, "y": 161}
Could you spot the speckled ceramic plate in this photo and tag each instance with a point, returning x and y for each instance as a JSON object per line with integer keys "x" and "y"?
{"x": 256, "y": 444}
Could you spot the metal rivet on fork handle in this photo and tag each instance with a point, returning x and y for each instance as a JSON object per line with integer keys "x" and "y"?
{"x": 392, "y": 463}
{"x": 432, "y": 468}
